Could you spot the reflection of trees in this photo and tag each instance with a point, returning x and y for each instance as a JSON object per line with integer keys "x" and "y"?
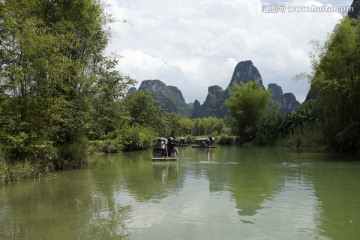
{"x": 247, "y": 175}
{"x": 96, "y": 203}
{"x": 217, "y": 172}
{"x": 64, "y": 206}
{"x": 86, "y": 204}
{"x": 108, "y": 214}
{"x": 146, "y": 180}
{"x": 336, "y": 185}
{"x": 250, "y": 186}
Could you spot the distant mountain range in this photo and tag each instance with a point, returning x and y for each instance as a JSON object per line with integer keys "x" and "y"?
{"x": 172, "y": 100}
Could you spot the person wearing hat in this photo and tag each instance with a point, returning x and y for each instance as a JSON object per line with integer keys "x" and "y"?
{"x": 163, "y": 147}
{"x": 171, "y": 147}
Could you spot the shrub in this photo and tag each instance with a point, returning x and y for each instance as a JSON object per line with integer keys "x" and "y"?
{"x": 226, "y": 140}
{"x": 190, "y": 139}
{"x": 71, "y": 155}
{"x": 136, "y": 138}
{"x": 14, "y": 172}
{"x": 107, "y": 146}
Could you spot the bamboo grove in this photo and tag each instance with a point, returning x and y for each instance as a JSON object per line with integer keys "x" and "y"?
{"x": 53, "y": 73}
{"x": 336, "y": 82}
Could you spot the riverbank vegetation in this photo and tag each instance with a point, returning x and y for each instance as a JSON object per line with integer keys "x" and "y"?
{"x": 336, "y": 81}
{"x": 299, "y": 129}
{"x": 330, "y": 117}
{"x": 55, "y": 82}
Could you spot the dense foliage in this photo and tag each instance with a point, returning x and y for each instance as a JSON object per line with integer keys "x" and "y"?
{"x": 277, "y": 126}
{"x": 54, "y": 80}
{"x": 143, "y": 110}
{"x": 247, "y": 105}
{"x": 337, "y": 83}
{"x": 331, "y": 112}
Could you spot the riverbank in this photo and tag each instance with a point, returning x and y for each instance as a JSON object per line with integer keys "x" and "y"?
{"x": 14, "y": 172}
{"x": 11, "y": 173}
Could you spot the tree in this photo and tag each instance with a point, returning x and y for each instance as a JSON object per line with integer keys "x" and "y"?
{"x": 143, "y": 110}
{"x": 107, "y": 91}
{"x": 199, "y": 126}
{"x": 272, "y": 127}
{"x": 207, "y": 126}
{"x": 170, "y": 124}
{"x": 337, "y": 81}
{"x": 51, "y": 61}
{"x": 186, "y": 127}
{"x": 246, "y": 104}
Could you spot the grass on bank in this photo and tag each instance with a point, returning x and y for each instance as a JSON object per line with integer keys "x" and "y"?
{"x": 10, "y": 173}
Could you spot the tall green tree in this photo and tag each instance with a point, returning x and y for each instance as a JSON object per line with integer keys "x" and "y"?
{"x": 337, "y": 80}
{"x": 106, "y": 102}
{"x": 186, "y": 127}
{"x": 199, "y": 126}
{"x": 207, "y": 126}
{"x": 51, "y": 62}
{"x": 247, "y": 104}
{"x": 143, "y": 110}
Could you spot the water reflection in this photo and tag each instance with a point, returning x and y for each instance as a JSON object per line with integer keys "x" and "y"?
{"x": 64, "y": 209}
{"x": 212, "y": 193}
{"x": 253, "y": 180}
{"x": 211, "y": 154}
{"x": 336, "y": 186}
{"x": 182, "y": 152}
{"x": 147, "y": 181}
{"x": 108, "y": 213}
{"x": 166, "y": 171}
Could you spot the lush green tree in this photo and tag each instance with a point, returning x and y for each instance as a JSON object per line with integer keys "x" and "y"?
{"x": 214, "y": 126}
{"x": 272, "y": 127}
{"x": 136, "y": 137}
{"x": 247, "y": 104}
{"x": 337, "y": 81}
{"x": 106, "y": 103}
{"x": 169, "y": 124}
{"x": 140, "y": 109}
{"x": 186, "y": 127}
{"x": 143, "y": 110}
{"x": 207, "y": 126}
{"x": 51, "y": 62}
{"x": 199, "y": 126}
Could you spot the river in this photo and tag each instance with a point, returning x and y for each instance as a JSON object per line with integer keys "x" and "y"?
{"x": 222, "y": 193}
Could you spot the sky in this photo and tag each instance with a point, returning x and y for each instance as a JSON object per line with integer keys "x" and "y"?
{"x": 194, "y": 44}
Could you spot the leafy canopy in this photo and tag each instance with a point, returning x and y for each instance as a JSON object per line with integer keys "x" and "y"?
{"x": 247, "y": 104}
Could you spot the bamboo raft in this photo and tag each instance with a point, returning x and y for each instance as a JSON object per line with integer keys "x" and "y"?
{"x": 164, "y": 159}
{"x": 199, "y": 146}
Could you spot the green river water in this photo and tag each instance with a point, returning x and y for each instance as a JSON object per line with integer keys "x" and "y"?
{"x": 222, "y": 193}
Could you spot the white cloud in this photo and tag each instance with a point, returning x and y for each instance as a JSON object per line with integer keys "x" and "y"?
{"x": 196, "y": 44}
{"x": 134, "y": 60}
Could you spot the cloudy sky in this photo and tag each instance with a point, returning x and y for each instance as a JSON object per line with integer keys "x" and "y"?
{"x": 194, "y": 44}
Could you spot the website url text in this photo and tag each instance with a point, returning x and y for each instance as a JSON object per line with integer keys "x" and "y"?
{"x": 282, "y": 8}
